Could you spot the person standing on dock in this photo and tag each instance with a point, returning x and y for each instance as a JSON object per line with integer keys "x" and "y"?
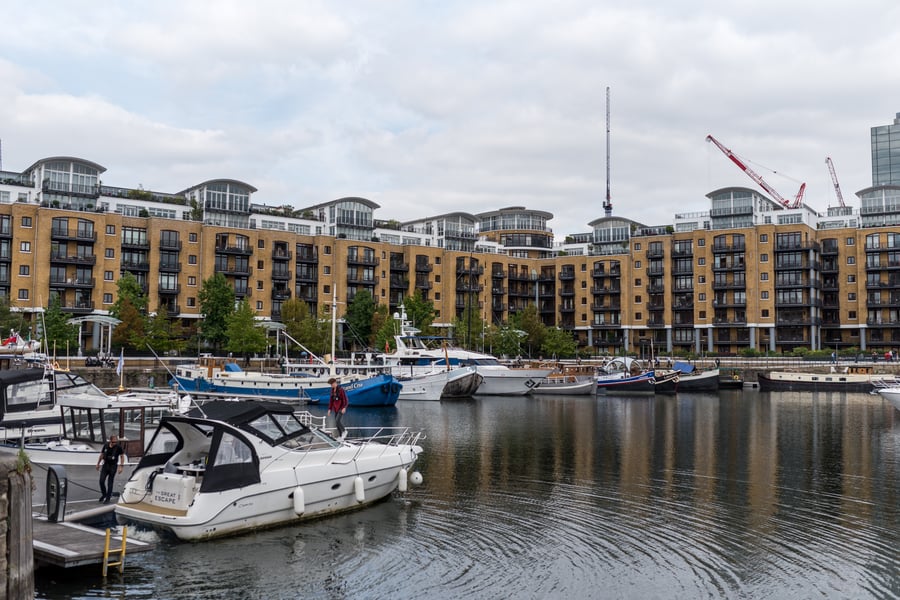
{"x": 111, "y": 456}
{"x": 338, "y": 403}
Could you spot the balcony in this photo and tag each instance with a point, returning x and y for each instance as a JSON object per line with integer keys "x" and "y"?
{"x": 72, "y": 282}
{"x": 281, "y": 275}
{"x": 422, "y": 267}
{"x": 81, "y": 308}
{"x": 606, "y": 290}
{"x": 366, "y": 280}
{"x": 135, "y": 243}
{"x": 281, "y": 294}
{"x": 170, "y": 267}
{"x": 399, "y": 266}
{"x": 169, "y": 289}
{"x": 135, "y": 265}
{"x": 566, "y": 275}
{"x": 362, "y": 260}
{"x": 234, "y": 250}
{"x": 307, "y": 255}
{"x": 64, "y": 234}
{"x": 235, "y": 270}
{"x": 726, "y": 248}
{"x": 282, "y": 255}
{"x": 498, "y": 274}
{"x": 166, "y": 243}
{"x": 63, "y": 258}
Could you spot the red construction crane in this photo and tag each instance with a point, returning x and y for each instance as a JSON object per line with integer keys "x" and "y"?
{"x": 834, "y": 180}
{"x": 756, "y": 177}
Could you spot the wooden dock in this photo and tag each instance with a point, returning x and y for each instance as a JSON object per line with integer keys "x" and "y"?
{"x": 73, "y": 544}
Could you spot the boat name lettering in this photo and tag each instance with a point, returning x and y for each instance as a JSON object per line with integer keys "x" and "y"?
{"x": 164, "y": 497}
{"x": 353, "y": 386}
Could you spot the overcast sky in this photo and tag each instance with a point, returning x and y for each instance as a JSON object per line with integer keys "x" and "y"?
{"x": 432, "y": 106}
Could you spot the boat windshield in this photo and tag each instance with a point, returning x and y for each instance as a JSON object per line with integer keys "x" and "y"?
{"x": 483, "y": 361}
{"x": 277, "y": 428}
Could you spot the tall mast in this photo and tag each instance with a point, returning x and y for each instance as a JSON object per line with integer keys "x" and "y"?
{"x": 607, "y": 205}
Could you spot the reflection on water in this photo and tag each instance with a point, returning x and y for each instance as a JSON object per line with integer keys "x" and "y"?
{"x": 745, "y": 494}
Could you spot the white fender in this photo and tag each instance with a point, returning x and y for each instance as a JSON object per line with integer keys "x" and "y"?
{"x": 359, "y": 490}
{"x": 415, "y": 478}
{"x": 299, "y": 501}
{"x": 402, "y": 485}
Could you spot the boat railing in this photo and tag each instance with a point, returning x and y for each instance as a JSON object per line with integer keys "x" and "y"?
{"x": 309, "y": 419}
{"x": 388, "y": 436}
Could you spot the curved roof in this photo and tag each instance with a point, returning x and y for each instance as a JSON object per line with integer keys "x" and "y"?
{"x": 210, "y": 181}
{"x": 875, "y": 188}
{"x": 84, "y": 161}
{"x": 365, "y": 201}
{"x": 601, "y": 220}
{"x": 516, "y": 209}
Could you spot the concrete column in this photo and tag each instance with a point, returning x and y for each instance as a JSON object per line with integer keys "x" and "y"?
{"x": 862, "y": 338}
{"x": 696, "y": 340}
{"x": 709, "y": 340}
{"x": 669, "y": 341}
{"x": 753, "y": 337}
{"x": 772, "y": 338}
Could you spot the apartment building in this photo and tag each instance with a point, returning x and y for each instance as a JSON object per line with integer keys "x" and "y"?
{"x": 747, "y": 273}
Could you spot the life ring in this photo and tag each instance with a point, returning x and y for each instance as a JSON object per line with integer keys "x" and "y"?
{"x": 736, "y": 377}
{"x": 385, "y": 388}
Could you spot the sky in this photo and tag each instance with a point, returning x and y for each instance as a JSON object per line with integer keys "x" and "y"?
{"x": 427, "y": 107}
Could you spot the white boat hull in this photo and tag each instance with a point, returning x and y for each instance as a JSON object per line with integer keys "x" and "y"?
{"x": 509, "y": 382}
{"x": 892, "y": 395}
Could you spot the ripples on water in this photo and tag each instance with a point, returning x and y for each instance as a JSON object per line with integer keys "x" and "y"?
{"x": 746, "y": 495}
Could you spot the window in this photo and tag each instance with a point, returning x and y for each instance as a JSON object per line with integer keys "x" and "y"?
{"x": 191, "y": 302}
{"x": 851, "y": 278}
{"x": 851, "y": 315}
{"x": 701, "y": 242}
{"x": 24, "y": 246}
{"x": 327, "y": 271}
{"x": 637, "y": 246}
{"x": 107, "y": 299}
{"x": 764, "y": 238}
{"x": 701, "y": 279}
{"x": 110, "y": 230}
{"x": 326, "y": 250}
{"x": 26, "y": 221}
{"x": 23, "y": 294}
{"x": 701, "y": 261}
{"x": 192, "y": 259}
{"x": 637, "y": 264}
{"x": 260, "y": 265}
{"x": 851, "y": 296}
{"x": 24, "y": 270}
{"x": 765, "y": 313}
{"x": 851, "y": 260}
{"x": 637, "y": 299}
{"x": 702, "y": 313}
{"x": 259, "y": 284}
{"x": 701, "y": 297}
{"x": 107, "y": 275}
{"x": 763, "y": 258}
{"x": 763, "y": 276}
{"x": 192, "y": 238}
{"x": 437, "y": 295}
{"x": 637, "y": 282}
{"x": 110, "y": 253}
{"x": 638, "y": 316}
{"x": 260, "y": 243}
{"x": 326, "y": 289}
{"x": 259, "y": 305}
{"x": 192, "y": 280}
{"x": 437, "y": 278}
{"x": 851, "y": 241}
{"x": 764, "y": 295}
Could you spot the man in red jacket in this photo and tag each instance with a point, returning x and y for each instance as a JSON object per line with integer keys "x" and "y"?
{"x": 338, "y": 404}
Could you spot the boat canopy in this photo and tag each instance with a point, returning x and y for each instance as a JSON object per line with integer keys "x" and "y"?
{"x": 238, "y": 412}
{"x": 232, "y": 368}
{"x": 683, "y": 367}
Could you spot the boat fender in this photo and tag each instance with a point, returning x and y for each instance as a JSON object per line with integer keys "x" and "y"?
{"x": 359, "y": 489}
{"x": 415, "y": 478}
{"x": 735, "y": 377}
{"x": 385, "y": 388}
{"x": 402, "y": 485}
{"x": 395, "y": 388}
{"x": 299, "y": 501}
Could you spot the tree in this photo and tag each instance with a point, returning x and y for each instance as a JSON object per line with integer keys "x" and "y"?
{"x": 507, "y": 341}
{"x": 10, "y": 321}
{"x": 530, "y": 322}
{"x": 305, "y": 327}
{"x": 419, "y": 312}
{"x": 164, "y": 334}
{"x": 559, "y": 343}
{"x": 358, "y": 317}
{"x": 131, "y": 332}
{"x": 128, "y": 289}
{"x": 385, "y": 329}
{"x": 216, "y": 305}
{"x": 60, "y": 335}
{"x": 467, "y": 329}
{"x": 244, "y": 336}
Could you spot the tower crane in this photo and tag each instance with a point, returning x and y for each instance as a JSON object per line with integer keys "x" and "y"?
{"x": 834, "y": 180}
{"x": 756, "y": 177}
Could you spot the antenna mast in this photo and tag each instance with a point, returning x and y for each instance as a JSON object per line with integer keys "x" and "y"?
{"x": 607, "y": 206}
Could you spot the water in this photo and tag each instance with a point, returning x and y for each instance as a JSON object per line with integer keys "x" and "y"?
{"x": 741, "y": 495}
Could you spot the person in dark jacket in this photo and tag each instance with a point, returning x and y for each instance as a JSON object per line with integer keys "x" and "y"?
{"x": 111, "y": 456}
{"x": 337, "y": 403}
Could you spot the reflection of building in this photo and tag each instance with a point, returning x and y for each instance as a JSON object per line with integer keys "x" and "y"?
{"x": 747, "y": 273}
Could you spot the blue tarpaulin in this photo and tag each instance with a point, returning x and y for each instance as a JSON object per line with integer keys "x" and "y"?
{"x": 683, "y": 367}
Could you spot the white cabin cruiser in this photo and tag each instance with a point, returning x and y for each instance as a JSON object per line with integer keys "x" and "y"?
{"x": 234, "y": 467}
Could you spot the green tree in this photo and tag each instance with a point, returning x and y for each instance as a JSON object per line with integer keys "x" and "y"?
{"x": 164, "y": 334}
{"x": 506, "y": 341}
{"x": 468, "y": 327}
{"x": 60, "y": 335}
{"x": 131, "y": 333}
{"x": 530, "y": 322}
{"x": 385, "y": 329}
{"x": 216, "y": 305}
{"x": 358, "y": 318}
{"x": 128, "y": 289}
{"x": 419, "y": 311}
{"x": 559, "y": 343}
{"x": 244, "y": 335}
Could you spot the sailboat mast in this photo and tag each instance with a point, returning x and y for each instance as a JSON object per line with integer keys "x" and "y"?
{"x": 333, "y": 328}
